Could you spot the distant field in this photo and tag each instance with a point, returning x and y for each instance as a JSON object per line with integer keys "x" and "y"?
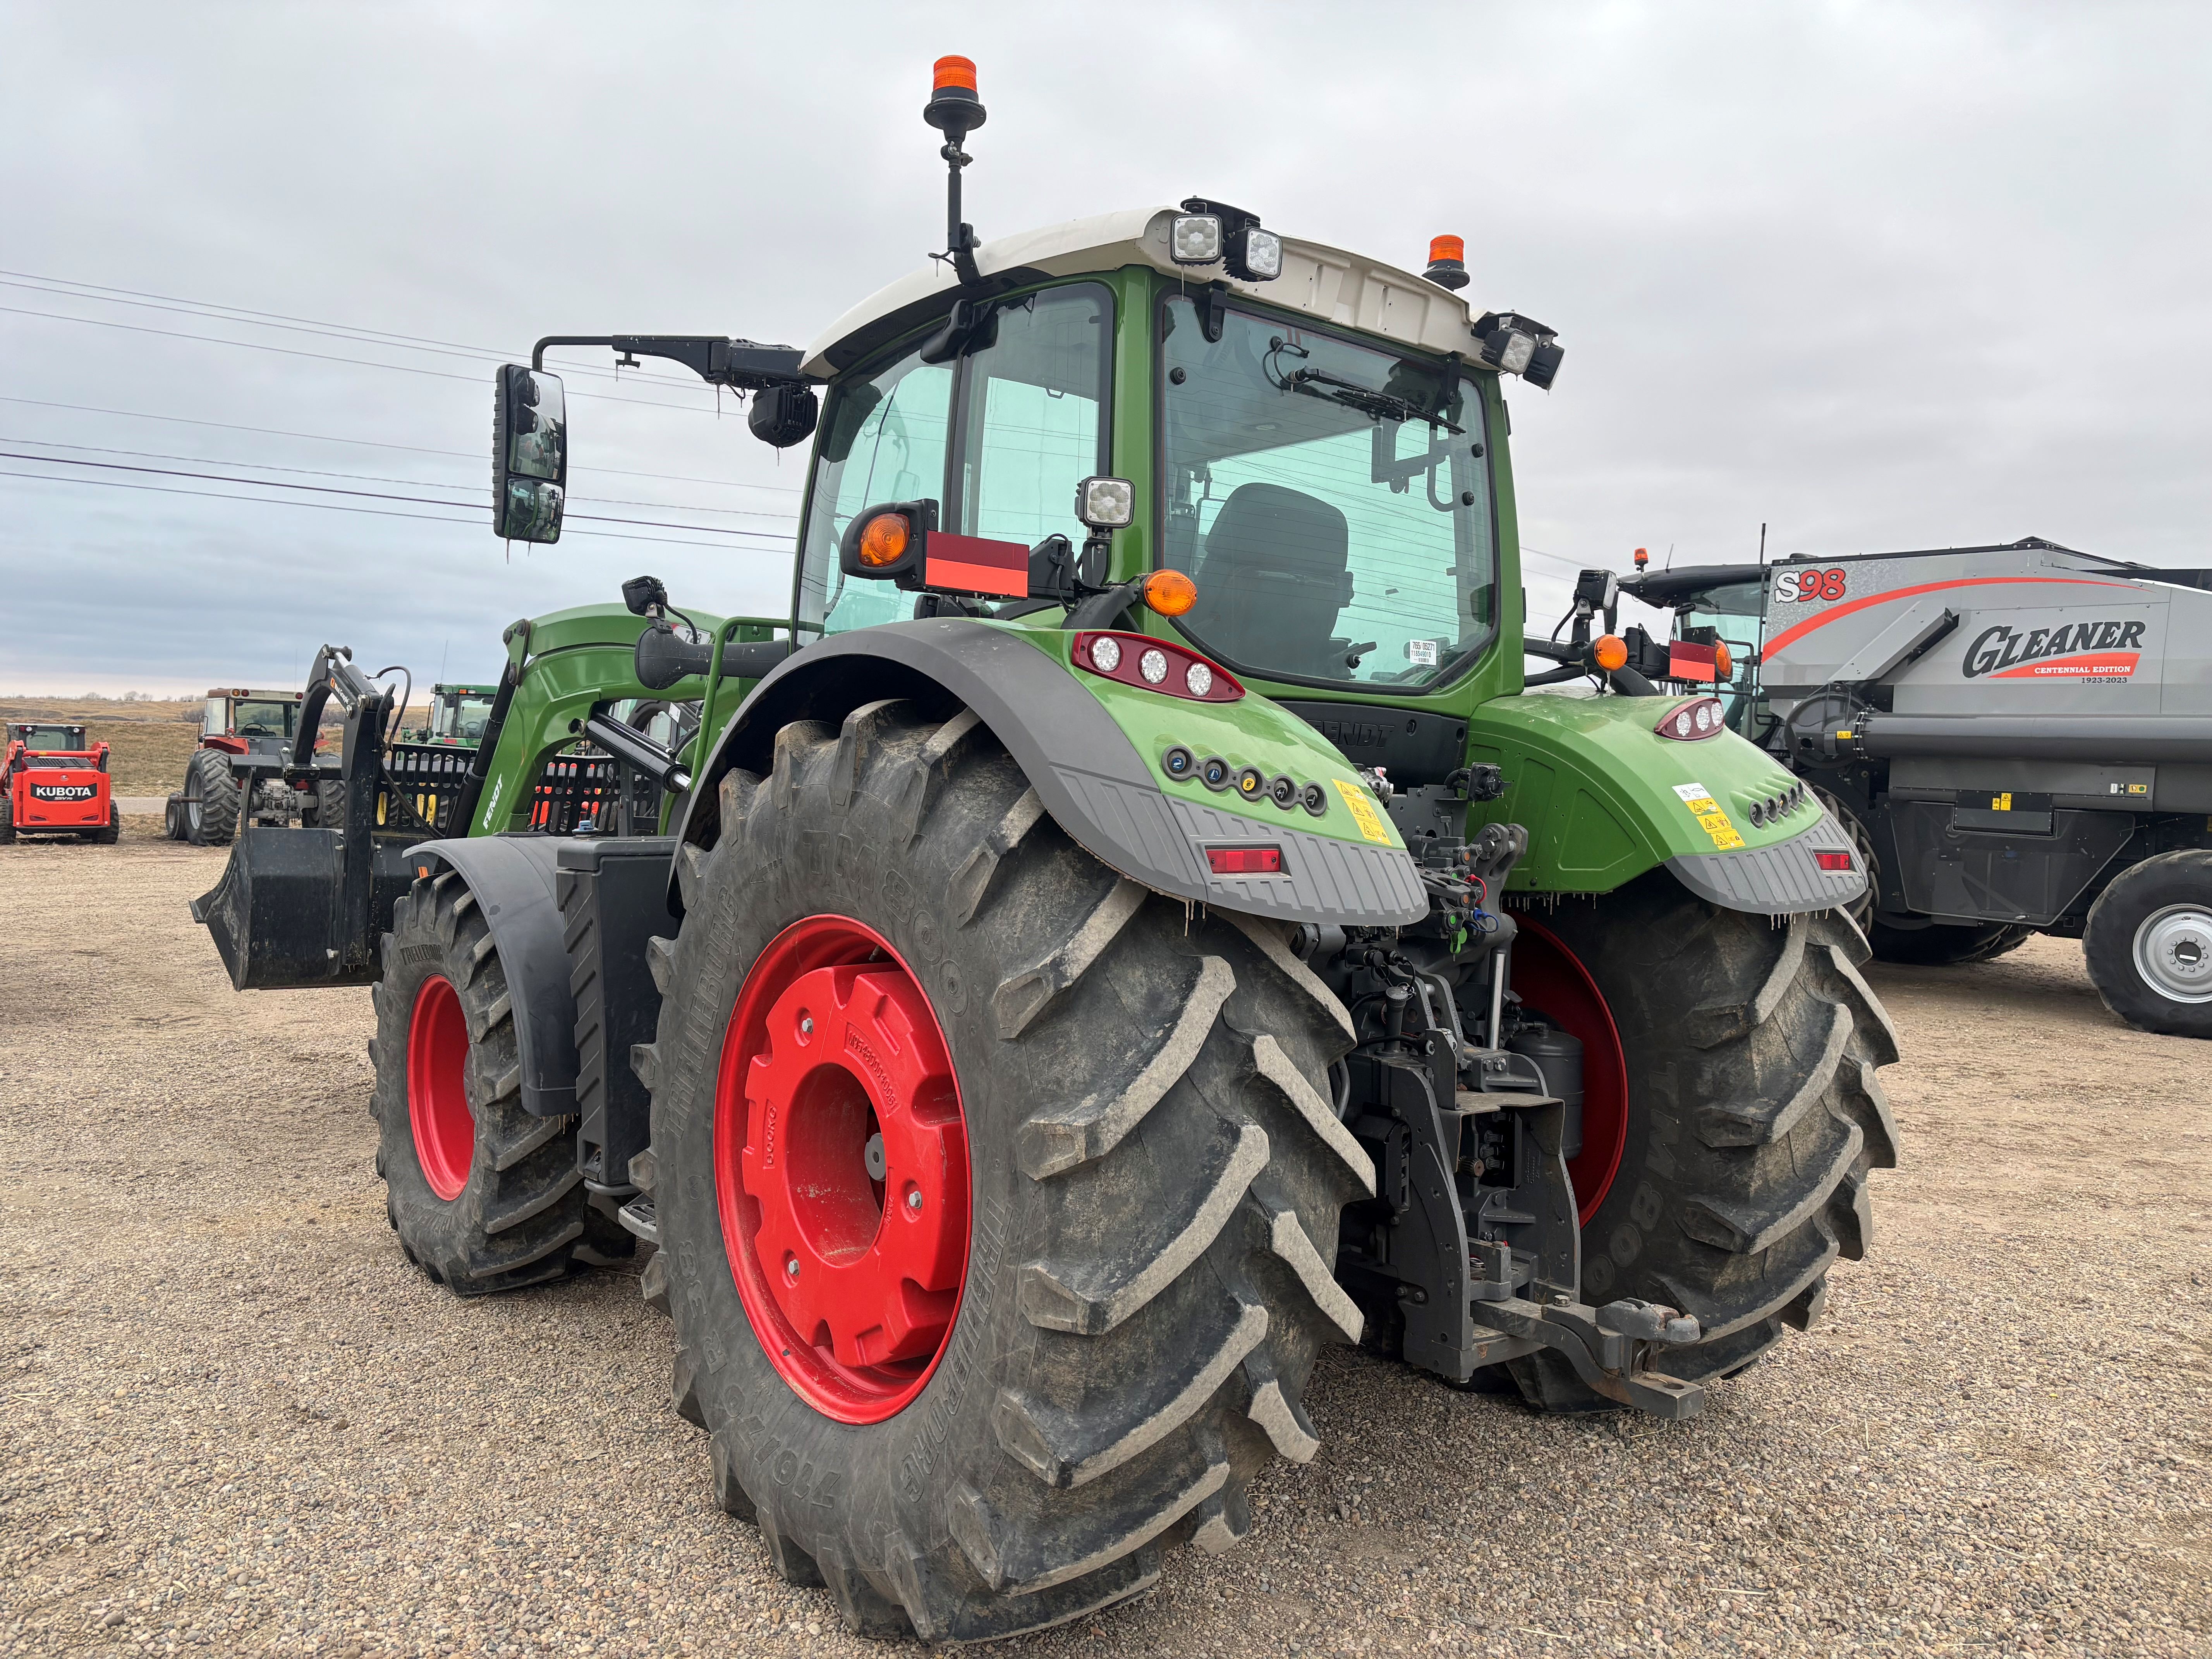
{"x": 148, "y": 742}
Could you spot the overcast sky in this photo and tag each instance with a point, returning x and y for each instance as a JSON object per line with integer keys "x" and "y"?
{"x": 1880, "y": 276}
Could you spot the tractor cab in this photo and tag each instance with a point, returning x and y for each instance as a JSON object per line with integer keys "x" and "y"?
{"x": 459, "y": 715}
{"x": 52, "y": 748}
{"x": 1717, "y": 604}
{"x": 244, "y": 721}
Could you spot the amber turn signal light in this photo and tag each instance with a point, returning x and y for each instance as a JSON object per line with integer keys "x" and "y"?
{"x": 1169, "y": 592}
{"x": 1610, "y": 651}
{"x": 884, "y": 542}
{"x": 1723, "y": 662}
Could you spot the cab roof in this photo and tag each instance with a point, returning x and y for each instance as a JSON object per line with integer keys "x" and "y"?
{"x": 1327, "y": 284}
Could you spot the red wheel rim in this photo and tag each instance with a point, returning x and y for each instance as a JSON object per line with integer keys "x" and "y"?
{"x": 1548, "y": 978}
{"x": 437, "y": 1088}
{"x": 852, "y": 1279}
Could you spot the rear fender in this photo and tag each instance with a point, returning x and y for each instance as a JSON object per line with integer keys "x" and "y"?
{"x": 511, "y": 878}
{"x": 1078, "y": 747}
{"x": 1605, "y": 798}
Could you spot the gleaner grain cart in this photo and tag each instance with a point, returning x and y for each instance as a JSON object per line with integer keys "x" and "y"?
{"x": 2019, "y": 739}
{"x": 1122, "y": 929}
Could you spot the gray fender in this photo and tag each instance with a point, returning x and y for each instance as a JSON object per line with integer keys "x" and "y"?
{"x": 512, "y": 877}
{"x": 1087, "y": 774}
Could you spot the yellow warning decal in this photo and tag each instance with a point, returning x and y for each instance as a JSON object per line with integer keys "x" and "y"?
{"x": 1363, "y": 811}
{"x": 2002, "y": 803}
{"x": 1710, "y": 816}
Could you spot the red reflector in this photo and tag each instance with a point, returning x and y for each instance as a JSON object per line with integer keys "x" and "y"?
{"x": 1687, "y": 660}
{"x": 1245, "y": 860}
{"x": 1833, "y": 860}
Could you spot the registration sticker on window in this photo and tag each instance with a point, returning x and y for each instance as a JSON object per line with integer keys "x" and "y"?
{"x": 1422, "y": 653}
{"x": 1710, "y": 818}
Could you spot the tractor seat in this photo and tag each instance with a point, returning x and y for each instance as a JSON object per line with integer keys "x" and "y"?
{"x": 1272, "y": 579}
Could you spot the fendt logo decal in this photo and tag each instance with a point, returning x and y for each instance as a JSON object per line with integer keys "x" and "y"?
{"x": 2078, "y": 651}
{"x": 1792, "y": 585}
{"x": 61, "y": 791}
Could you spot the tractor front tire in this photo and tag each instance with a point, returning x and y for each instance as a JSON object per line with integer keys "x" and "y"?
{"x": 1754, "y": 1115}
{"x": 211, "y": 798}
{"x": 1128, "y": 1107}
{"x": 2147, "y": 944}
{"x": 484, "y": 1197}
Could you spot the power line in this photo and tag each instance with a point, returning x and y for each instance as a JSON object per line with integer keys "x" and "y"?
{"x": 377, "y": 443}
{"x": 213, "y": 312}
{"x": 377, "y": 478}
{"x": 329, "y": 358}
{"x": 342, "y": 507}
{"x": 370, "y": 494}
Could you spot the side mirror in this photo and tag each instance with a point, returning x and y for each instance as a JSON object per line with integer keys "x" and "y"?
{"x": 784, "y": 414}
{"x": 529, "y": 455}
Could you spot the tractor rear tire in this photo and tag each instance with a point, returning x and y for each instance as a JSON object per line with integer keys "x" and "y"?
{"x": 1754, "y": 1117}
{"x": 329, "y": 810}
{"x": 211, "y": 798}
{"x": 484, "y": 1197}
{"x": 1151, "y": 1176}
{"x": 2147, "y": 944}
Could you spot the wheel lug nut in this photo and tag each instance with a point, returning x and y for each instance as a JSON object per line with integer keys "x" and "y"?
{"x": 791, "y": 1269}
{"x": 914, "y": 1200}
{"x": 807, "y": 1025}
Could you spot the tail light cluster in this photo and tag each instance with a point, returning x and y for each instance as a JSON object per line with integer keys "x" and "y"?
{"x": 1153, "y": 664}
{"x": 1835, "y": 863}
{"x": 1700, "y": 717}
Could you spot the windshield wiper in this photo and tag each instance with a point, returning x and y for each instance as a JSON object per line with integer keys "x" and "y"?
{"x": 1375, "y": 405}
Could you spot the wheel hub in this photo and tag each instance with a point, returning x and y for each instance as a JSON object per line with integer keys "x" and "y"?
{"x": 841, "y": 1168}
{"x": 437, "y": 1088}
{"x": 2173, "y": 952}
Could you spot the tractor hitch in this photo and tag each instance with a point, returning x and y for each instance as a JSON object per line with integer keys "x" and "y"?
{"x": 1610, "y": 1347}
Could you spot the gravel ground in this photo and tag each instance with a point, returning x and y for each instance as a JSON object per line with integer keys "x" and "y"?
{"x": 235, "y": 1420}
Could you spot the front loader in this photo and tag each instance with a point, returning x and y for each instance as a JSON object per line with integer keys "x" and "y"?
{"x": 1123, "y": 929}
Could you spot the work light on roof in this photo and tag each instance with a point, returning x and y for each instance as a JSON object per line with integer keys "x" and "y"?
{"x": 1255, "y": 255}
{"x": 1194, "y": 239}
{"x": 1105, "y": 503}
{"x": 1513, "y": 344}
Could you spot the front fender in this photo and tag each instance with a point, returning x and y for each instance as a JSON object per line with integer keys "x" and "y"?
{"x": 1605, "y": 797}
{"x": 511, "y": 878}
{"x": 1078, "y": 743}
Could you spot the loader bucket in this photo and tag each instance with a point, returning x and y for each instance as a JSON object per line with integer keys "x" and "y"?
{"x": 286, "y": 914}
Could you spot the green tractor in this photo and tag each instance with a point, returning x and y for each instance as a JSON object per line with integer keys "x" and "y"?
{"x": 457, "y": 715}
{"x": 1127, "y": 926}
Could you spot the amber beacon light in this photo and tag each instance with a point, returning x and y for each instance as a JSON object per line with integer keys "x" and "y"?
{"x": 953, "y": 107}
{"x": 1447, "y": 262}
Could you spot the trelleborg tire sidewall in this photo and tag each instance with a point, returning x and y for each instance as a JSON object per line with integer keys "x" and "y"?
{"x": 817, "y": 1481}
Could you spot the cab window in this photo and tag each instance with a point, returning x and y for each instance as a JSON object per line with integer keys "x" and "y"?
{"x": 998, "y": 439}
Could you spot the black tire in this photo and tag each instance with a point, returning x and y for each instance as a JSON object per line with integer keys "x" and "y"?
{"x": 1945, "y": 944}
{"x": 172, "y": 816}
{"x": 2149, "y": 940}
{"x": 111, "y": 835}
{"x": 7, "y": 817}
{"x": 211, "y": 798}
{"x": 1155, "y": 1179}
{"x": 518, "y": 1218}
{"x": 328, "y": 811}
{"x": 1754, "y": 1117}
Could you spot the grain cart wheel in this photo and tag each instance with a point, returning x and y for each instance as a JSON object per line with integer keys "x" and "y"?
{"x": 1744, "y": 1052}
{"x": 211, "y": 804}
{"x": 1945, "y": 944}
{"x": 997, "y": 1195}
{"x": 483, "y": 1196}
{"x": 2148, "y": 944}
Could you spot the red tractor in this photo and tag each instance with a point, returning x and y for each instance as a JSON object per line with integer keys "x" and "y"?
{"x": 57, "y": 785}
{"x": 240, "y": 730}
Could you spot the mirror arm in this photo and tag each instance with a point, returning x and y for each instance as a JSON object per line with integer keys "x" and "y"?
{"x": 742, "y": 365}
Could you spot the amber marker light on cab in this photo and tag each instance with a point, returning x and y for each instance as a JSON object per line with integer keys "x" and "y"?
{"x": 1447, "y": 262}
{"x": 1610, "y": 652}
{"x": 884, "y": 542}
{"x": 1169, "y": 592}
